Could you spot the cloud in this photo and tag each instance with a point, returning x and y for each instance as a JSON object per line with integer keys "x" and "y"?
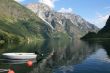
{"x": 50, "y": 3}
{"x": 68, "y": 10}
{"x": 100, "y": 20}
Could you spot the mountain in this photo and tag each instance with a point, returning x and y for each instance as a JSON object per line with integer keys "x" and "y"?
{"x": 18, "y": 23}
{"x": 104, "y": 33}
{"x": 69, "y": 23}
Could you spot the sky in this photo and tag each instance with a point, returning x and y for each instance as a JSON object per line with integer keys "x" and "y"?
{"x": 94, "y": 11}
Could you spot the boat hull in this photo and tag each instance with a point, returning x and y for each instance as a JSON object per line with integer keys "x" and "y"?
{"x": 20, "y": 56}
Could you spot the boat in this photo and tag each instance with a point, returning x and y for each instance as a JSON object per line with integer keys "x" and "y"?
{"x": 20, "y": 56}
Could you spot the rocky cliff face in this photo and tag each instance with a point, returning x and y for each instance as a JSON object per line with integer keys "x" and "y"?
{"x": 70, "y": 23}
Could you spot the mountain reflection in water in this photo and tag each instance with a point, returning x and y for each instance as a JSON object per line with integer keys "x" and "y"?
{"x": 64, "y": 57}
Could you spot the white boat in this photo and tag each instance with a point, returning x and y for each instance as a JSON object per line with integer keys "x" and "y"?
{"x": 20, "y": 56}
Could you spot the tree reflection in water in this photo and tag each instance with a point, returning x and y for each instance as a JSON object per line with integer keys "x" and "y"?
{"x": 64, "y": 54}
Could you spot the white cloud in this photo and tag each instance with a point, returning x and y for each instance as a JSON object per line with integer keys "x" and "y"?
{"x": 100, "y": 20}
{"x": 50, "y": 3}
{"x": 68, "y": 10}
{"x": 19, "y": 0}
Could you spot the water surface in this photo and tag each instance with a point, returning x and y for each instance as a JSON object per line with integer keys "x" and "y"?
{"x": 61, "y": 57}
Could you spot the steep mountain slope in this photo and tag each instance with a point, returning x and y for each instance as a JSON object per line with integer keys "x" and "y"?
{"x": 19, "y": 23}
{"x": 105, "y": 31}
{"x": 70, "y": 23}
{"x": 103, "y": 34}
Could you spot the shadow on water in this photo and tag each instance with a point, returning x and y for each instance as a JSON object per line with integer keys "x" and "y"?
{"x": 106, "y": 46}
{"x": 58, "y": 56}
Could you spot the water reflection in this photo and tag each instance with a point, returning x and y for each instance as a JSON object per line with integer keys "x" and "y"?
{"x": 65, "y": 54}
{"x": 62, "y": 57}
{"x": 9, "y": 61}
{"x": 97, "y": 62}
{"x": 106, "y": 46}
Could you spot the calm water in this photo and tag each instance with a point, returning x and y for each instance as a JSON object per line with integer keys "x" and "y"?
{"x": 60, "y": 57}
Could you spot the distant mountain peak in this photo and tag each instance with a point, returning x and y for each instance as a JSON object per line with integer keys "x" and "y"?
{"x": 64, "y": 22}
{"x": 35, "y": 7}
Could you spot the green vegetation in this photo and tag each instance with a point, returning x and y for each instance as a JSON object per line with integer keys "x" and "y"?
{"x": 60, "y": 35}
{"x": 18, "y": 23}
{"x": 89, "y": 35}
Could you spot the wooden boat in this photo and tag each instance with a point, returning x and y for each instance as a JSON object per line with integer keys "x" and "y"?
{"x": 20, "y": 56}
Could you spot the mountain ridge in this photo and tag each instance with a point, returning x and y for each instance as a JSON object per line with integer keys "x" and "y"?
{"x": 18, "y": 23}
{"x": 59, "y": 20}
{"x": 103, "y": 34}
